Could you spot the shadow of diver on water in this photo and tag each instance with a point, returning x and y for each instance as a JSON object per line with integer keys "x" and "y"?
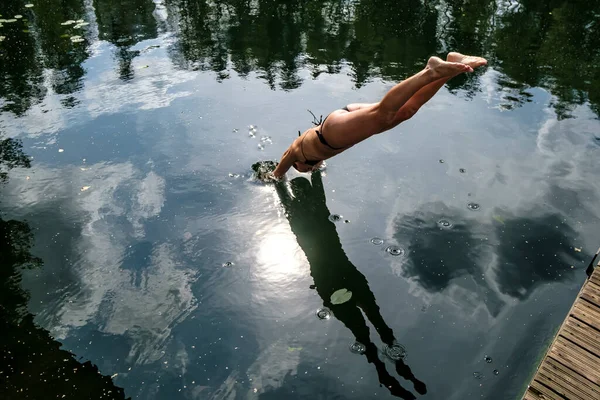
{"x": 307, "y": 212}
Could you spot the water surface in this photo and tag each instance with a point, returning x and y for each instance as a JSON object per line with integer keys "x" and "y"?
{"x": 136, "y": 243}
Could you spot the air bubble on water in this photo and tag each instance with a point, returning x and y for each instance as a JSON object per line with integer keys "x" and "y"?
{"x": 496, "y": 372}
{"x": 462, "y": 170}
{"x": 228, "y": 264}
{"x": 395, "y": 250}
{"x": 396, "y": 351}
{"x": 487, "y": 359}
{"x": 358, "y": 348}
{"x": 377, "y": 241}
{"x": 473, "y": 206}
{"x": 444, "y": 223}
{"x": 477, "y": 375}
{"x": 335, "y": 218}
{"x": 324, "y": 313}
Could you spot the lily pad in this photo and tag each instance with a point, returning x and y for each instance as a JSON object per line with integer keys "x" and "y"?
{"x": 341, "y": 296}
{"x": 18, "y": 16}
{"x": 28, "y": 5}
{"x": 8, "y": 21}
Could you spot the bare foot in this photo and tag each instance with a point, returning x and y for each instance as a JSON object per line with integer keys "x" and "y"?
{"x": 443, "y": 69}
{"x": 472, "y": 61}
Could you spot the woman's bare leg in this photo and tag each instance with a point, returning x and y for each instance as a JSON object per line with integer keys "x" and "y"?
{"x": 345, "y": 129}
{"x": 425, "y": 94}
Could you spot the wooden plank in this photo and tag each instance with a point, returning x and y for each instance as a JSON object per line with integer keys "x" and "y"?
{"x": 543, "y": 392}
{"x": 595, "y": 278}
{"x": 549, "y": 378}
{"x": 531, "y": 395}
{"x": 582, "y": 334}
{"x": 591, "y": 292}
{"x": 577, "y": 359}
{"x": 585, "y": 312}
{"x": 570, "y": 380}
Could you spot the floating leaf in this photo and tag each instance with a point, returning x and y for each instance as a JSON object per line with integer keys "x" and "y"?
{"x": 499, "y": 219}
{"x": 77, "y": 40}
{"x": 8, "y": 21}
{"x": 79, "y": 21}
{"x": 28, "y": 5}
{"x": 577, "y": 249}
{"x": 341, "y": 296}
{"x": 19, "y": 16}
{"x": 84, "y": 188}
{"x": 26, "y": 30}
{"x": 61, "y": 150}
{"x": 2, "y": 38}
{"x": 69, "y": 22}
{"x": 292, "y": 349}
{"x": 144, "y": 66}
{"x": 66, "y": 35}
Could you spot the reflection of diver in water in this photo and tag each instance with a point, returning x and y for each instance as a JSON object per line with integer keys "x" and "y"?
{"x": 331, "y": 270}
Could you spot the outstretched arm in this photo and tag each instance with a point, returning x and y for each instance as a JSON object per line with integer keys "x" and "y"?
{"x": 287, "y": 160}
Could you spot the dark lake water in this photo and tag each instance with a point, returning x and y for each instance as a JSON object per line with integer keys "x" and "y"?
{"x": 139, "y": 258}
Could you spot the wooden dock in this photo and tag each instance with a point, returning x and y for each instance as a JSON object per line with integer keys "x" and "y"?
{"x": 571, "y": 367}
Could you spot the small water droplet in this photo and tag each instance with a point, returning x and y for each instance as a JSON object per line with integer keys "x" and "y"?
{"x": 358, "y": 348}
{"x": 444, "y": 223}
{"x": 395, "y": 250}
{"x": 324, "y": 313}
{"x": 496, "y": 372}
{"x": 462, "y": 170}
{"x": 473, "y": 206}
{"x": 228, "y": 264}
{"x": 477, "y": 375}
{"x": 396, "y": 351}
{"x": 377, "y": 241}
{"x": 441, "y": 161}
{"x": 488, "y": 359}
{"x": 335, "y": 218}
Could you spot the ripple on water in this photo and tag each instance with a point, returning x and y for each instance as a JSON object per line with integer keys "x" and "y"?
{"x": 473, "y": 206}
{"x": 395, "y": 250}
{"x": 444, "y": 223}
{"x": 335, "y": 218}
{"x": 358, "y": 348}
{"x": 377, "y": 241}
{"x": 228, "y": 264}
{"x": 396, "y": 351}
{"x": 324, "y": 313}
